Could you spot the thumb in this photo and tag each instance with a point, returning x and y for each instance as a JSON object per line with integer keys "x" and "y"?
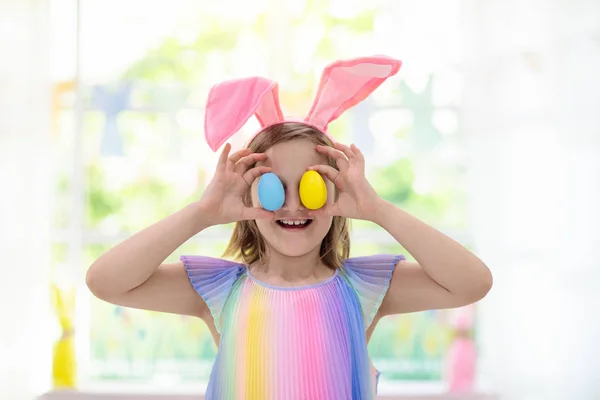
{"x": 325, "y": 211}
{"x": 256, "y": 213}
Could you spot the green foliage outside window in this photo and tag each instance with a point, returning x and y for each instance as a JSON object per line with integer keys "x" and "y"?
{"x": 125, "y": 194}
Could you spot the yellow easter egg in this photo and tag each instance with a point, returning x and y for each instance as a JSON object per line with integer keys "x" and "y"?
{"x": 313, "y": 192}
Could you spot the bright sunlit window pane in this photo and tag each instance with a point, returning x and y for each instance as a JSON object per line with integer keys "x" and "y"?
{"x": 146, "y": 68}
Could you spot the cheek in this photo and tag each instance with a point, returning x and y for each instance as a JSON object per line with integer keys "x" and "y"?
{"x": 324, "y": 225}
{"x": 262, "y": 225}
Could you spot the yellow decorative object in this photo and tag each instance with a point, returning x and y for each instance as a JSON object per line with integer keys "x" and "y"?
{"x": 431, "y": 343}
{"x": 64, "y": 366}
{"x": 405, "y": 329}
{"x": 313, "y": 191}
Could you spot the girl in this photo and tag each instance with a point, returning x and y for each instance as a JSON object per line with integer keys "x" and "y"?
{"x": 292, "y": 316}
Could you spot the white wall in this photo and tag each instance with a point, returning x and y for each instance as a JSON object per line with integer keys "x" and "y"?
{"x": 532, "y": 103}
{"x": 532, "y": 120}
{"x": 24, "y": 195}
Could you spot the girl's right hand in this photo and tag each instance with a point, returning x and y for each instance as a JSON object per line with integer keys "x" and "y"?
{"x": 222, "y": 200}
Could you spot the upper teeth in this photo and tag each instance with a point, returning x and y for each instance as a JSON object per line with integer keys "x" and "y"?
{"x": 296, "y": 222}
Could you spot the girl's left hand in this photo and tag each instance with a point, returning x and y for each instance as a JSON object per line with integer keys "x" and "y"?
{"x": 356, "y": 197}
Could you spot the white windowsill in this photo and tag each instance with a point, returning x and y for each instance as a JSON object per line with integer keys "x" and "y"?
{"x": 173, "y": 396}
{"x": 406, "y": 391}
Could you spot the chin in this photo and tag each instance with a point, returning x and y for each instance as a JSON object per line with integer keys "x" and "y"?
{"x": 291, "y": 249}
{"x": 294, "y": 238}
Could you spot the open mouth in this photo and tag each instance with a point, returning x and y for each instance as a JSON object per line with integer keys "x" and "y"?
{"x": 294, "y": 224}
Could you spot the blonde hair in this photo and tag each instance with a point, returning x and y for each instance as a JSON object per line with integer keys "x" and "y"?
{"x": 247, "y": 243}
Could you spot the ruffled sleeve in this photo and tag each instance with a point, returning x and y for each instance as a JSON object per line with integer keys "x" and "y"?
{"x": 213, "y": 279}
{"x": 370, "y": 278}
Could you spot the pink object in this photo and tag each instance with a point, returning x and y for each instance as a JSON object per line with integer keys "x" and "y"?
{"x": 343, "y": 84}
{"x": 462, "y": 355}
{"x": 462, "y": 366}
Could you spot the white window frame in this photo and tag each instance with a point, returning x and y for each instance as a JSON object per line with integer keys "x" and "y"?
{"x": 76, "y": 237}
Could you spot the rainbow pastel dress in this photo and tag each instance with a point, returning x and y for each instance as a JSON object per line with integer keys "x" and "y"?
{"x": 292, "y": 343}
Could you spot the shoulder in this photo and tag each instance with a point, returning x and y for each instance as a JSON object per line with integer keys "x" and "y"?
{"x": 199, "y": 262}
{"x": 370, "y": 277}
{"x": 213, "y": 279}
{"x": 368, "y": 268}
{"x": 203, "y": 267}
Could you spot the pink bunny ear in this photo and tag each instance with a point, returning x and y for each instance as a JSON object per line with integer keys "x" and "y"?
{"x": 346, "y": 83}
{"x": 231, "y": 103}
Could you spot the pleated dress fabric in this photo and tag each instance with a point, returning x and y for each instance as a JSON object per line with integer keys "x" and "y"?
{"x": 292, "y": 343}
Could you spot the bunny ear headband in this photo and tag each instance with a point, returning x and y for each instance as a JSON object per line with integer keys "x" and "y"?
{"x": 343, "y": 84}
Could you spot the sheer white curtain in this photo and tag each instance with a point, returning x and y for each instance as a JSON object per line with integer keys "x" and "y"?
{"x": 24, "y": 199}
{"x": 533, "y": 125}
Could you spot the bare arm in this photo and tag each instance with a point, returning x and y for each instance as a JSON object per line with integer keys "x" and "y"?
{"x": 446, "y": 274}
{"x": 132, "y": 274}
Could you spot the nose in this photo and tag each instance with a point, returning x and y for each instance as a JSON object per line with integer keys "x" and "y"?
{"x": 292, "y": 200}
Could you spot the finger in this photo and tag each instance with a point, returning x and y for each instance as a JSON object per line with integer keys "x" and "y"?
{"x": 253, "y": 173}
{"x": 357, "y": 153}
{"x": 336, "y": 154}
{"x": 345, "y": 149}
{"x": 245, "y": 162}
{"x": 256, "y": 213}
{"x": 316, "y": 213}
{"x": 325, "y": 211}
{"x": 235, "y": 157}
{"x": 326, "y": 170}
{"x": 222, "y": 163}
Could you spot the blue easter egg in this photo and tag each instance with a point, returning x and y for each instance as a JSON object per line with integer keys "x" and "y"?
{"x": 270, "y": 192}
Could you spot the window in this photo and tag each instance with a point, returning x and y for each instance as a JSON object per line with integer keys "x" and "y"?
{"x": 130, "y": 148}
